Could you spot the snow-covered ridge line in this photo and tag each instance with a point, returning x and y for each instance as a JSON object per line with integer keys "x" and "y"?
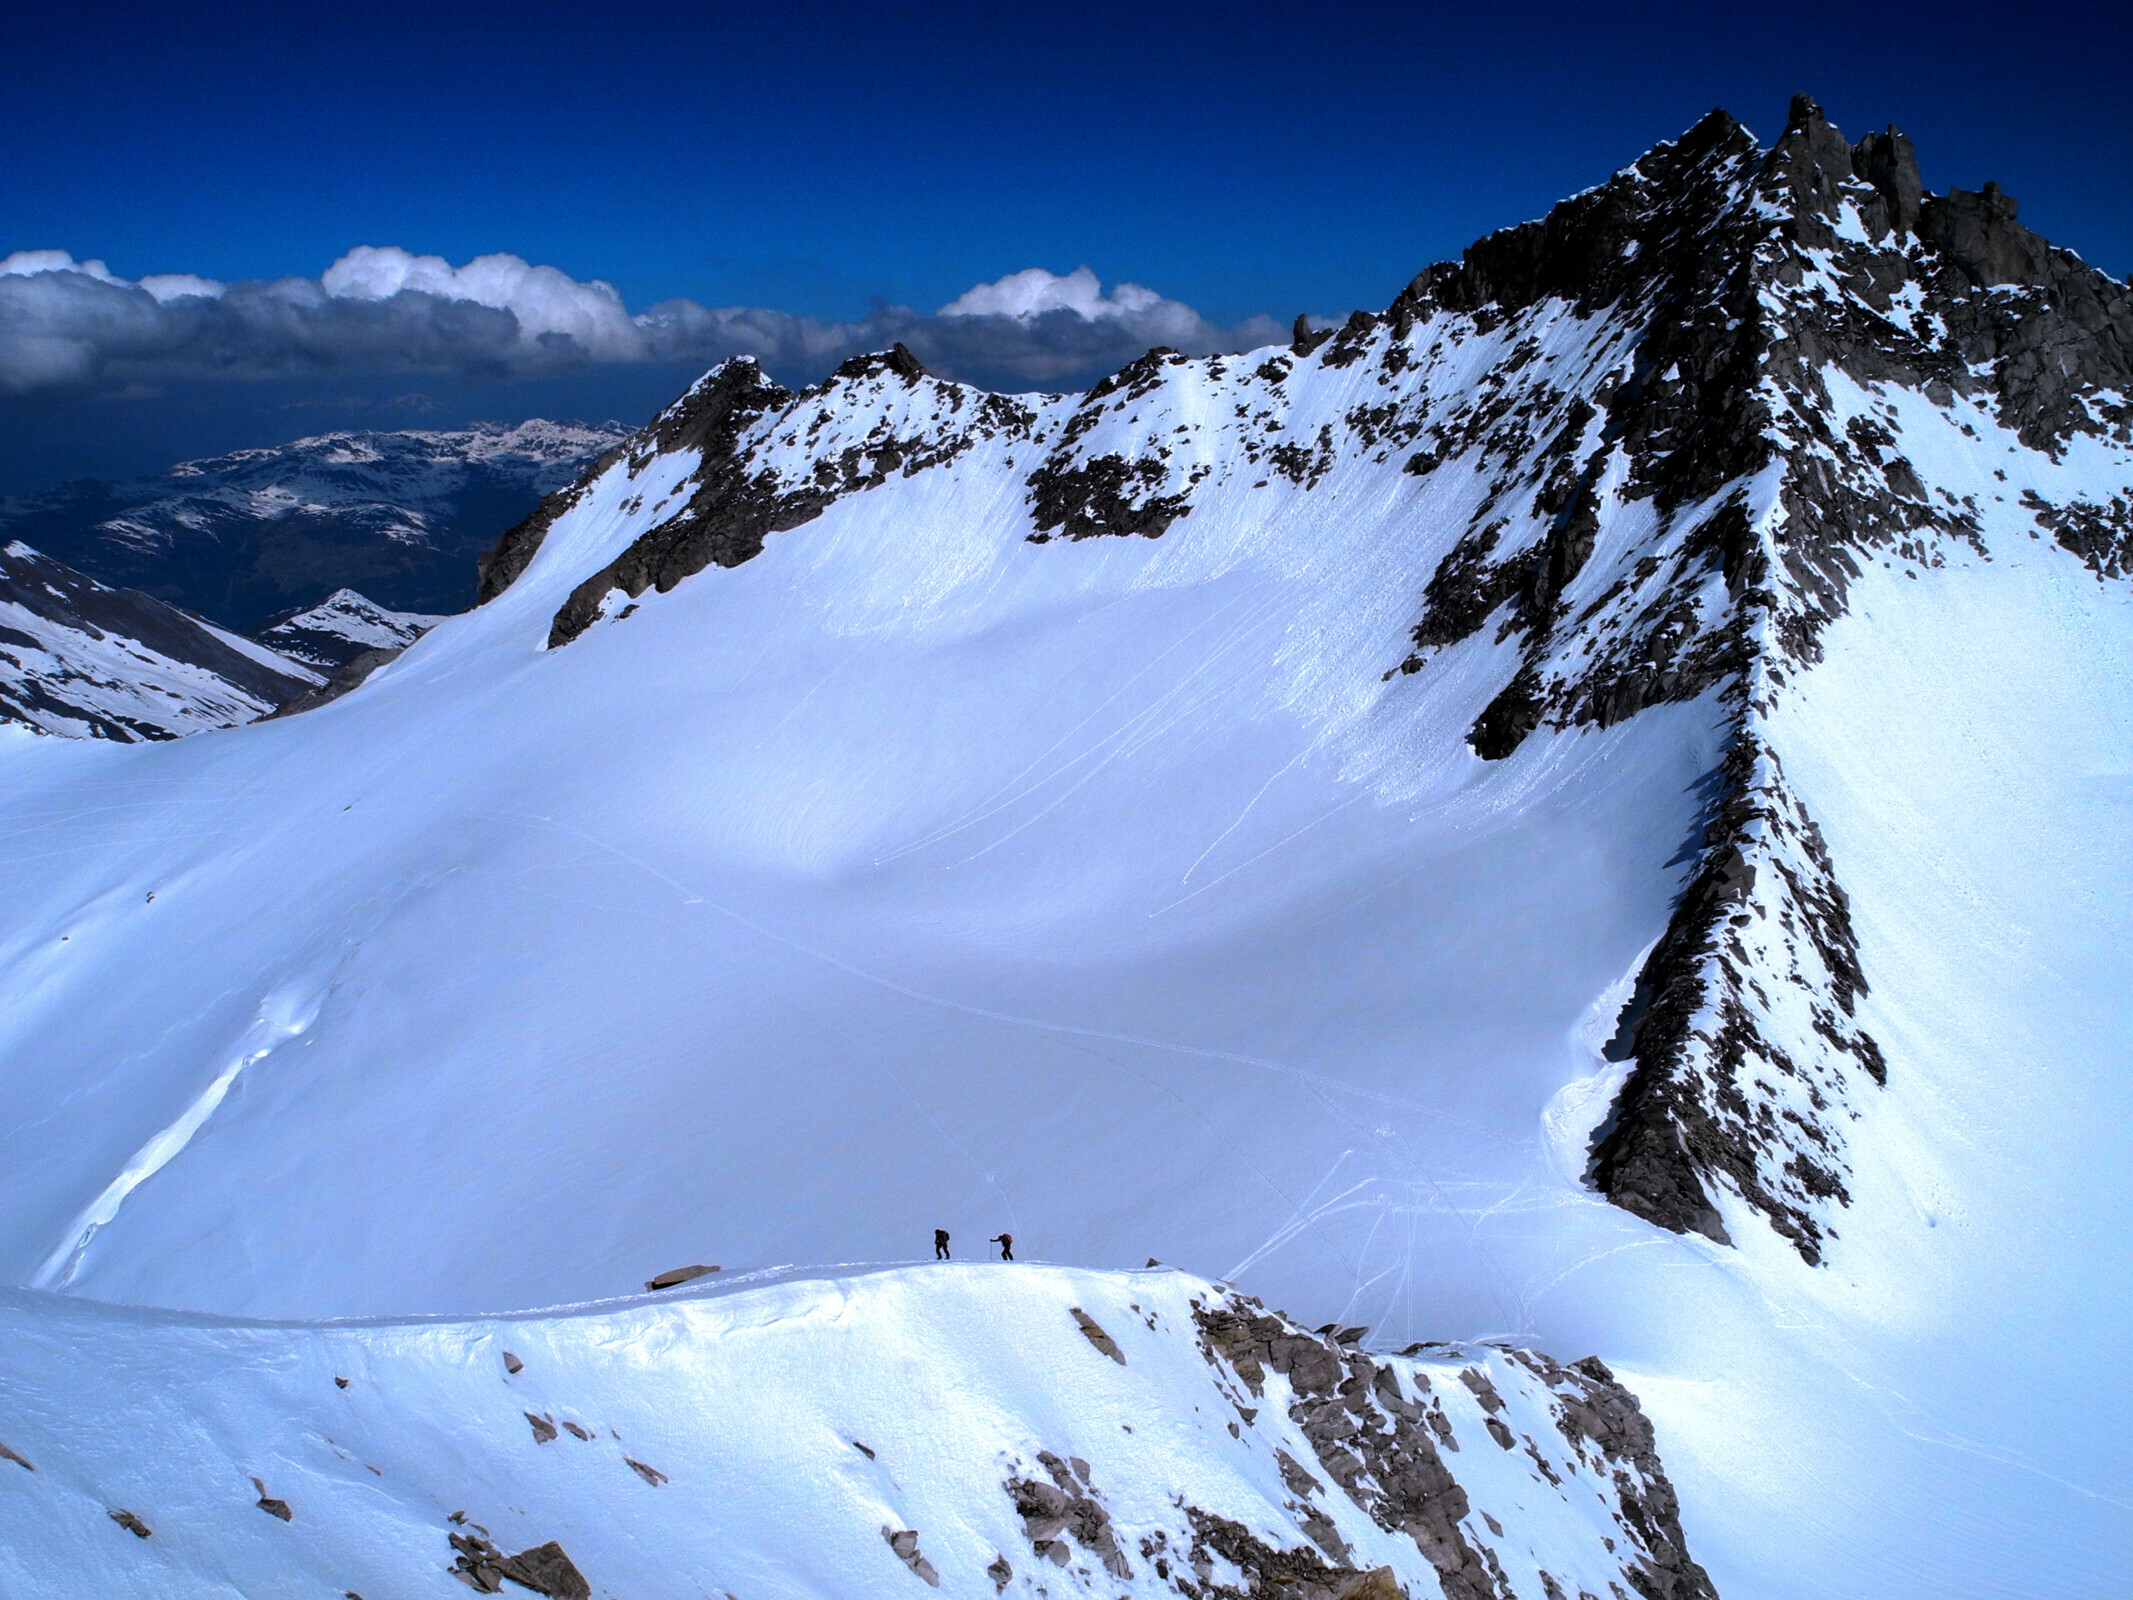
{"x": 974, "y": 1429}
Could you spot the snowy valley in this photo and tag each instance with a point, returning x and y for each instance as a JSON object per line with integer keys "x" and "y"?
{"x": 1585, "y": 811}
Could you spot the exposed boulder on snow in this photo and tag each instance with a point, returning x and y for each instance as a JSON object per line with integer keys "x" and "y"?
{"x": 86, "y": 661}
{"x": 544, "y": 1568}
{"x": 675, "y": 1277}
{"x": 1094, "y": 1333}
{"x": 904, "y": 1541}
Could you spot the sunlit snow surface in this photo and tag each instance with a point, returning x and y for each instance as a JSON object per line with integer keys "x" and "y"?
{"x": 913, "y": 875}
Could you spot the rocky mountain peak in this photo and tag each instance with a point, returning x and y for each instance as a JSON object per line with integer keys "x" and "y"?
{"x": 1649, "y": 442}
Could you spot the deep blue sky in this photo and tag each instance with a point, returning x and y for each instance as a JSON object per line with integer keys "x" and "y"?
{"x": 1240, "y": 158}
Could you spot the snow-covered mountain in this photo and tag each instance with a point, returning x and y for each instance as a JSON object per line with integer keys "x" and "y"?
{"x": 244, "y": 537}
{"x": 341, "y": 627}
{"x": 90, "y": 662}
{"x": 1588, "y": 806}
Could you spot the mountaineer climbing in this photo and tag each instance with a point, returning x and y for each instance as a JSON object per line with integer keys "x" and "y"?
{"x": 940, "y": 1244}
{"x": 1006, "y": 1242}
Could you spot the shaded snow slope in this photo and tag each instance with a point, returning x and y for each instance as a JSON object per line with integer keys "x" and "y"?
{"x": 90, "y": 662}
{"x": 1633, "y": 720}
{"x": 770, "y": 1441}
{"x": 341, "y": 627}
{"x": 253, "y": 534}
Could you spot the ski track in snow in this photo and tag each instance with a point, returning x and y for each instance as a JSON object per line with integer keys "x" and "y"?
{"x": 282, "y": 1017}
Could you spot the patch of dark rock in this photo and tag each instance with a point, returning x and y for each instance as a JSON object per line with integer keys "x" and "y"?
{"x": 1684, "y": 1116}
{"x": 651, "y": 1475}
{"x": 863, "y": 1450}
{"x": 545, "y": 1568}
{"x": 512, "y": 1364}
{"x": 21, "y": 1461}
{"x": 1107, "y": 495}
{"x": 1506, "y": 720}
{"x": 1002, "y": 1573}
{"x": 131, "y": 1523}
{"x": 1067, "y": 1507}
{"x": 543, "y": 1428}
{"x": 895, "y": 361}
{"x": 904, "y": 1541}
{"x": 271, "y": 1506}
{"x": 340, "y": 1383}
{"x": 1093, "y": 1331}
{"x": 1299, "y": 1574}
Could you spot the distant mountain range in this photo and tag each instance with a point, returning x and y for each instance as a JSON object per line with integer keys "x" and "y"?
{"x": 244, "y": 538}
{"x": 87, "y": 661}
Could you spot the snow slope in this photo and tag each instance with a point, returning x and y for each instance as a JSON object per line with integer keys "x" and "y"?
{"x": 765, "y": 1439}
{"x": 1642, "y": 718}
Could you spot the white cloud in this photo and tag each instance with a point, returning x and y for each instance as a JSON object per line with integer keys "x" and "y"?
{"x": 75, "y": 324}
{"x": 545, "y": 300}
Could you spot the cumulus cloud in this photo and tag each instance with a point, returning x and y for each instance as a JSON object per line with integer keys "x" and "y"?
{"x": 76, "y": 325}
